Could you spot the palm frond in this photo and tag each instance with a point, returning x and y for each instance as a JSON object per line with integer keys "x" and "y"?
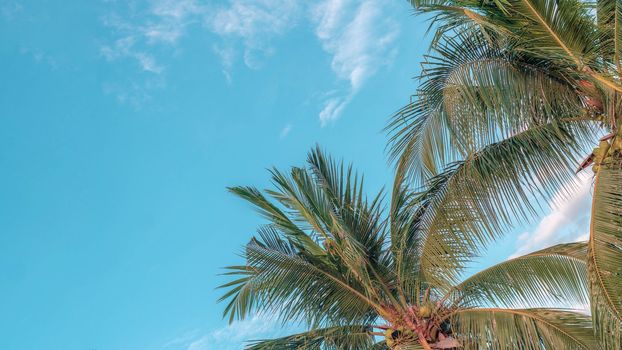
{"x": 609, "y": 16}
{"x": 475, "y": 93}
{"x": 605, "y": 256}
{"x": 278, "y": 218}
{"x": 552, "y": 277}
{"x": 564, "y": 32}
{"x": 278, "y": 277}
{"x": 523, "y": 329}
{"x": 332, "y": 338}
{"x": 465, "y": 208}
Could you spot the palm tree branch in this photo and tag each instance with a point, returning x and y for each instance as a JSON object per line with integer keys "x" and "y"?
{"x": 604, "y": 256}
{"x": 528, "y": 328}
{"x": 355, "y": 337}
{"x": 555, "y": 276}
{"x": 463, "y": 206}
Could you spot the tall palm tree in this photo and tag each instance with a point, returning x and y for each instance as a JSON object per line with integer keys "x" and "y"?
{"x": 361, "y": 275}
{"x": 513, "y": 93}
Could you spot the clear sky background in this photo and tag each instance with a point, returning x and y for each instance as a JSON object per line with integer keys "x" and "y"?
{"x": 121, "y": 124}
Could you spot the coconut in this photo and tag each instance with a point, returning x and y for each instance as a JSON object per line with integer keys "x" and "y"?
{"x": 392, "y": 336}
{"x": 330, "y": 245}
{"x": 600, "y": 152}
{"x": 425, "y": 311}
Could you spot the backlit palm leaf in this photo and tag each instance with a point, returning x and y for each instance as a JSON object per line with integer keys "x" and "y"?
{"x": 555, "y": 276}
{"x": 574, "y": 46}
{"x": 605, "y": 256}
{"x": 333, "y": 338}
{"x": 468, "y": 205}
{"x": 523, "y": 329}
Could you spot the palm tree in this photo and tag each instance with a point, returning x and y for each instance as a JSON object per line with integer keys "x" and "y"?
{"x": 511, "y": 95}
{"x": 361, "y": 275}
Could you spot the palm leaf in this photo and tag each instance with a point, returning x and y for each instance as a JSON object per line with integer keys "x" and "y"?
{"x": 605, "y": 256}
{"x": 475, "y": 93}
{"x": 271, "y": 212}
{"x": 562, "y": 31}
{"x": 523, "y": 329}
{"x": 555, "y": 276}
{"x": 278, "y": 277}
{"x": 463, "y": 209}
{"x": 609, "y": 15}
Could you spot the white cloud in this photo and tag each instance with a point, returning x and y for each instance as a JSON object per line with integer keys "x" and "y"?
{"x": 39, "y": 56}
{"x": 171, "y": 19}
{"x": 132, "y": 93}
{"x": 285, "y": 131}
{"x": 125, "y": 47}
{"x": 359, "y": 37}
{"x": 231, "y": 337}
{"x": 254, "y": 24}
{"x": 568, "y": 220}
{"x": 9, "y": 9}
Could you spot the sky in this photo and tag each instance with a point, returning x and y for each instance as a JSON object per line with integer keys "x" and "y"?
{"x": 122, "y": 123}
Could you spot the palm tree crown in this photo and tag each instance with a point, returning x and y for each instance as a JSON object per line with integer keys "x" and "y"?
{"x": 513, "y": 94}
{"x": 362, "y": 276}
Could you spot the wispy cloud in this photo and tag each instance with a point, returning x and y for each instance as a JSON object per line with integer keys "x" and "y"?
{"x": 39, "y": 56}
{"x": 163, "y": 22}
{"x": 134, "y": 94}
{"x": 124, "y": 48}
{"x": 285, "y": 131}
{"x": 142, "y": 32}
{"x": 171, "y": 19}
{"x": 231, "y": 337}
{"x": 359, "y": 36}
{"x": 9, "y": 9}
{"x": 568, "y": 220}
{"x": 360, "y": 39}
{"x": 254, "y": 24}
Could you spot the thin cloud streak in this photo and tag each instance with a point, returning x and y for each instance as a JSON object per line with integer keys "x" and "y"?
{"x": 231, "y": 337}
{"x": 285, "y": 131}
{"x": 254, "y": 24}
{"x": 360, "y": 40}
{"x": 358, "y": 36}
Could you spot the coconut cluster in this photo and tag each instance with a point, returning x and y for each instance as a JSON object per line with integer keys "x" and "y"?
{"x": 609, "y": 150}
{"x": 427, "y": 320}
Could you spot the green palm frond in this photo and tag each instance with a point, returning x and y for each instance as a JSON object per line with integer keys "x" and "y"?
{"x": 405, "y": 226}
{"x": 332, "y": 338}
{"x": 561, "y": 30}
{"x": 278, "y": 277}
{"x": 279, "y": 219}
{"x": 475, "y": 93}
{"x": 564, "y": 32}
{"x": 352, "y": 213}
{"x": 605, "y": 256}
{"x": 308, "y": 203}
{"x": 468, "y": 205}
{"x": 576, "y": 250}
{"x": 609, "y": 15}
{"x": 555, "y": 276}
{"x": 523, "y": 329}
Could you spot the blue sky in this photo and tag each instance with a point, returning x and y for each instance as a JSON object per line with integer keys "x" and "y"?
{"x": 121, "y": 124}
